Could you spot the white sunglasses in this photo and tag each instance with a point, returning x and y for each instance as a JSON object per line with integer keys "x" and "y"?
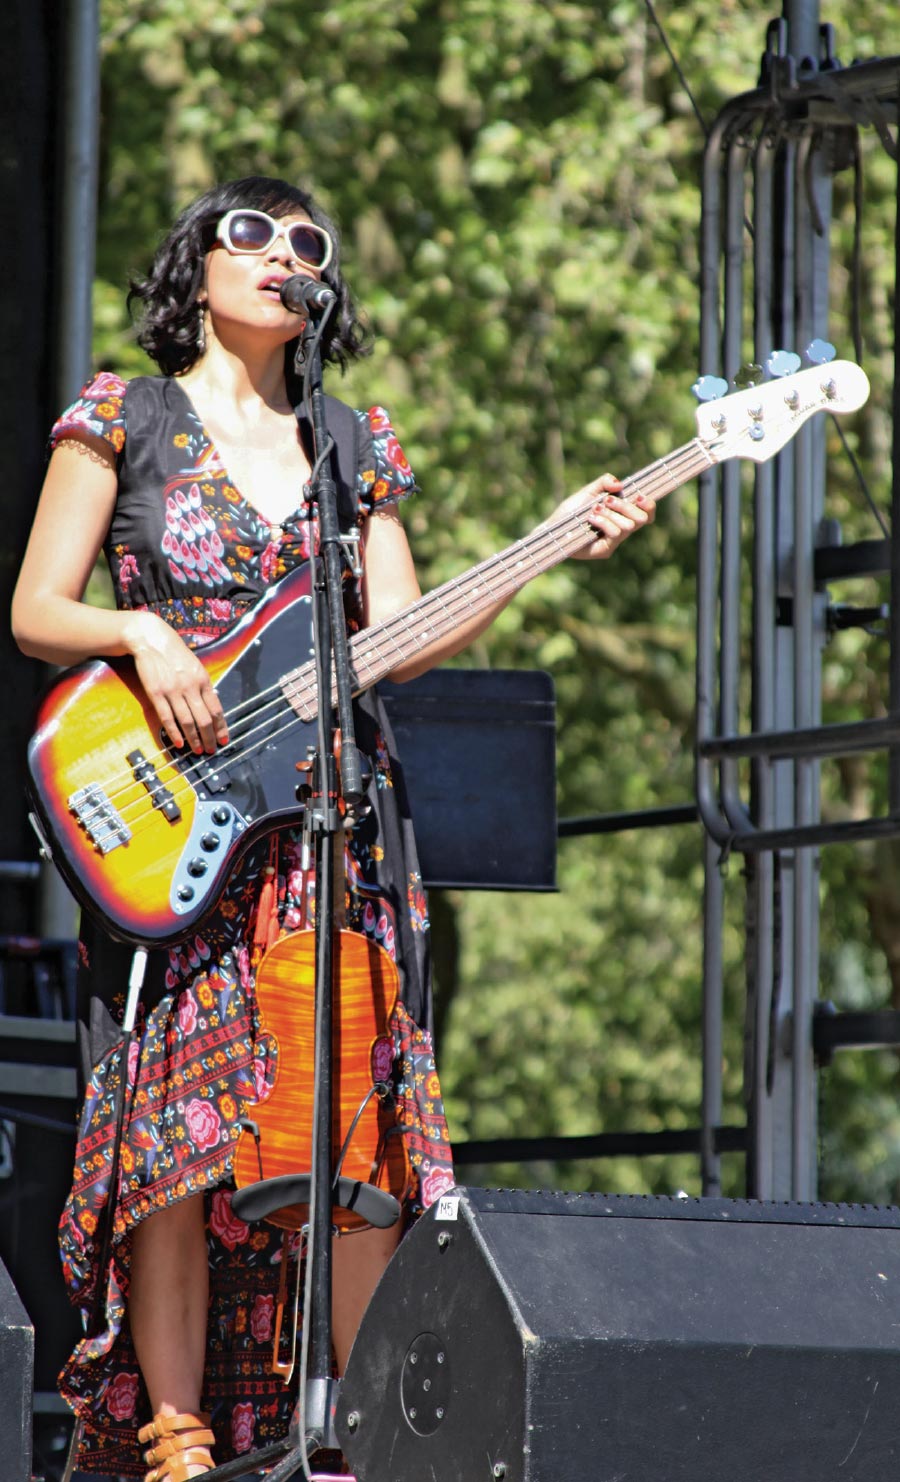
{"x": 255, "y": 232}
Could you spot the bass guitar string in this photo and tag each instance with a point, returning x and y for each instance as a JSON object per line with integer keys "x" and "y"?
{"x": 458, "y": 591}
{"x": 371, "y": 642}
{"x": 568, "y": 528}
{"x": 565, "y": 532}
{"x": 253, "y": 709}
{"x": 648, "y": 480}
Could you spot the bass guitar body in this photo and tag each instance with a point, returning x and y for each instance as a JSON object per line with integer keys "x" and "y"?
{"x": 146, "y": 835}
{"x": 365, "y": 993}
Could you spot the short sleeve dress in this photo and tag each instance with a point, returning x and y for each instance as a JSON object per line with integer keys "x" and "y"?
{"x": 186, "y": 544}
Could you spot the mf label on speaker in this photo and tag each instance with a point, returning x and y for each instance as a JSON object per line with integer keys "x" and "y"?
{"x": 447, "y": 1207}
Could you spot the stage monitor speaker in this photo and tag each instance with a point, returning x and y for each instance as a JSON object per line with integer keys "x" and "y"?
{"x": 539, "y": 1336}
{"x": 16, "y": 1389}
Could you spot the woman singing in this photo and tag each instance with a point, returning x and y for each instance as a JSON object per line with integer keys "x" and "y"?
{"x": 194, "y": 484}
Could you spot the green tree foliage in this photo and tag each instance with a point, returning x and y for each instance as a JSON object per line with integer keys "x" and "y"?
{"x": 518, "y": 186}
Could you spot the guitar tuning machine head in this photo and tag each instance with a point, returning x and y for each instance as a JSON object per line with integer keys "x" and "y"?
{"x": 783, "y": 363}
{"x": 820, "y": 352}
{"x": 749, "y": 375}
{"x": 709, "y": 388}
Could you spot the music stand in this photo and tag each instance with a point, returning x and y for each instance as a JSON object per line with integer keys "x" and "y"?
{"x": 478, "y": 755}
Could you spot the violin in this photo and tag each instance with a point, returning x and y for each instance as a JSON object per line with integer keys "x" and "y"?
{"x": 279, "y": 1140}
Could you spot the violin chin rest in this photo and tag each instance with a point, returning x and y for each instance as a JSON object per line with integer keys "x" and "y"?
{"x": 260, "y": 1200}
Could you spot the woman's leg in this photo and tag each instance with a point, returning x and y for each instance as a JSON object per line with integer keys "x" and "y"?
{"x": 358, "y": 1261}
{"x": 168, "y": 1304}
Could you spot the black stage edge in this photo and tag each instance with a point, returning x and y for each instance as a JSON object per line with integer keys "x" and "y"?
{"x": 530, "y": 1336}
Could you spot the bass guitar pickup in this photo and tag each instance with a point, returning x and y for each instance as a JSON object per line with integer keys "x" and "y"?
{"x": 145, "y": 773}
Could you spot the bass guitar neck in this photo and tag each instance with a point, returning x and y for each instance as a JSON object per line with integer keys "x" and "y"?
{"x": 146, "y": 837}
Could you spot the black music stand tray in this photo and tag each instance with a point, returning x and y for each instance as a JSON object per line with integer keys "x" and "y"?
{"x": 478, "y": 749}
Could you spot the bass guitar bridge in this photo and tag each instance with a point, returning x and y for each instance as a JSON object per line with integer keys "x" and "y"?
{"x": 103, "y": 824}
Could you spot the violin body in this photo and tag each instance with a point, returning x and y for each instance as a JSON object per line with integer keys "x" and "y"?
{"x": 366, "y": 985}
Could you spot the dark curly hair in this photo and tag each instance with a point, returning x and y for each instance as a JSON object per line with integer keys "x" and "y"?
{"x": 170, "y": 324}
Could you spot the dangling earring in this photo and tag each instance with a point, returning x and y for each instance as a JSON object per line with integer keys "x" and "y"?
{"x": 201, "y": 326}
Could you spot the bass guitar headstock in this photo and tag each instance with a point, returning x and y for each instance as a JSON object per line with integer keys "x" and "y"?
{"x": 759, "y": 420}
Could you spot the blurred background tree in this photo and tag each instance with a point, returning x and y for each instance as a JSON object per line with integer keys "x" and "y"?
{"x": 518, "y": 187}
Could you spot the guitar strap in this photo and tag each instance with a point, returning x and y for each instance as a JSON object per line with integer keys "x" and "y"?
{"x": 344, "y": 427}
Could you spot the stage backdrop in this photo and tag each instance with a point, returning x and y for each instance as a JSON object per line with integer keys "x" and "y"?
{"x": 30, "y": 96}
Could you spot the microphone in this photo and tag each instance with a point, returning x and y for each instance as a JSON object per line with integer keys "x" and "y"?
{"x": 305, "y": 295}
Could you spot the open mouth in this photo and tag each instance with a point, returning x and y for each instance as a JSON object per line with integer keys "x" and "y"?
{"x": 271, "y": 286}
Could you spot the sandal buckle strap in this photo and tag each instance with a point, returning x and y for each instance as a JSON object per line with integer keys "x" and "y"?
{"x": 183, "y": 1442}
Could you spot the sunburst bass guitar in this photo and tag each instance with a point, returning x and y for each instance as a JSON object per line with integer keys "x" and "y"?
{"x": 146, "y": 837}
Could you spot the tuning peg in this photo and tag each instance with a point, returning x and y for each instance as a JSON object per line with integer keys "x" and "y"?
{"x": 749, "y": 375}
{"x": 709, "y": 388}
{"x": 783, "y": 363}
{"x": 819, "y": 352}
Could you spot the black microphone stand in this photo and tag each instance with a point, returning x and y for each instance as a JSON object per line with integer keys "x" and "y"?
{"x": 312, "y": 1428}
{"x": 334, "y": 682}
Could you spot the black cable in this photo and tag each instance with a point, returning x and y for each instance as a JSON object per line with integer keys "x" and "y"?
{"x": 676, "y": 64}
{"x": 856, "y": 324}
{"x": 861, "y": 479}
{"x": 856, "y": 260}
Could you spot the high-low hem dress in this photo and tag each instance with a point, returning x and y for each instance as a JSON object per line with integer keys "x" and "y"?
{"x": 184, "y": 543}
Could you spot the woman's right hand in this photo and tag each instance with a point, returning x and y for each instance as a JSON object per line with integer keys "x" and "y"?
{"x": 177, "y": 685}
{"x": 53, "y": 623}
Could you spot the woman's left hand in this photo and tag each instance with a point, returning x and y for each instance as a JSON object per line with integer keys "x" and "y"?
{"x": 613, "y": 519}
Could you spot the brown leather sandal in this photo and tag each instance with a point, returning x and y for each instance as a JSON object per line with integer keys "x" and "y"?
{"x": 183, "y": 1441}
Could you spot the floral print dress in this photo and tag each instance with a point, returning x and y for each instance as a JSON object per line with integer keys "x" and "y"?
{"x": 184, "y": 543}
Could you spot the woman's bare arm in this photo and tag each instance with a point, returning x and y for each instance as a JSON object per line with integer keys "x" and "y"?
{"x": 51, "y": 621}
{"x": 390, "y": 583}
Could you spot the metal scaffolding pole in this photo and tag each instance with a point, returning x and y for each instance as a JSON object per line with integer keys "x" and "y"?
{"x": 72, "y": 337}
{"x": 759, "y": 793}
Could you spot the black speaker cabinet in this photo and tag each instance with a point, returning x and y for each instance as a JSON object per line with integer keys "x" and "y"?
{"x": 37, "y": 1144}
{"x": 16, "y": 1388}
{"x": 539, "y": 1336}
